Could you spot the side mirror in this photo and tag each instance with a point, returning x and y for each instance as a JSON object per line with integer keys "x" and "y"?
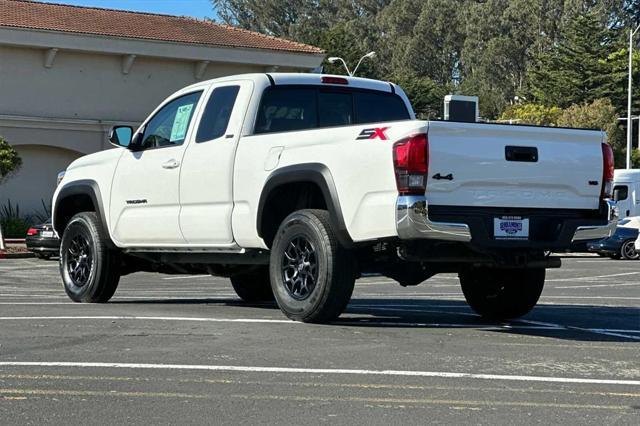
{"x": 121, "y": 136}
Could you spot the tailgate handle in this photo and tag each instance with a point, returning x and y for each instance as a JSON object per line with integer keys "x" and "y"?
{"x": 527, "y": 154}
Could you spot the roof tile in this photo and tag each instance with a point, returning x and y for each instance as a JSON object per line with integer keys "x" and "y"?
{"x": 119, "y": 23}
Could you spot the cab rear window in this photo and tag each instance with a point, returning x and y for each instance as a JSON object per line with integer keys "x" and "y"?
{"x": 290, "y": 108}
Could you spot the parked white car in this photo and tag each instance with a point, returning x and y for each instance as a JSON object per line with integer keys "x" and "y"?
{"x": 293, "y": 185}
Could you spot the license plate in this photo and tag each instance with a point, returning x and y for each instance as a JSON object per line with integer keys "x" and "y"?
{"x": 47, "y": 234}
{"x": 510, "y": 228}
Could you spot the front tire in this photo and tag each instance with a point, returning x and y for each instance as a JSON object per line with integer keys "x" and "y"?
{"x": 502, "y": 294}
{"x": 90, "y": 270}
{"x": 312, "y": 275}
{"x": 254, "y": 286}
{"x": 628, "y": 250}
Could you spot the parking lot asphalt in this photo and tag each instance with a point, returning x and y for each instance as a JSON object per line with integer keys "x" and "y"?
{"x": 185, "y": 350}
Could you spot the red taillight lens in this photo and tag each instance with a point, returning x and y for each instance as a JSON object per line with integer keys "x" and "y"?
{"x": 411, "y": 163}
{"x": 32, "y": 231}
{"x": 334, "y": 80}
{"x": 608, "y": 168}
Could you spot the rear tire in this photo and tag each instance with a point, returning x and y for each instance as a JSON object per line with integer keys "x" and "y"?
{"x": 502, "y": 294}
{"x": 253, "y": 286}
{"x": 90, "y": 269}
{"x": 312, "y": 275}
{"x": 628, "y": 250}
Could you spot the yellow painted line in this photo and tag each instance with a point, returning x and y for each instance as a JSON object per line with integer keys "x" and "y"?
{"x": 426, "y": 401}
{"x": 365, "y": 386}
{"x": 12, "y": 393}
{"x": 62, "y": 392}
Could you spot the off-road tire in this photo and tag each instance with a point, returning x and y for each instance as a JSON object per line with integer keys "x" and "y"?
{"x": 101, "y": 281}
{"x": 254, "y": 286}
{"x": 502, "y": 294}
{"x": 335, "y": 269}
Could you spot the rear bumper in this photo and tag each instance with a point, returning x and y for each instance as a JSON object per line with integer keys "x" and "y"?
{"x": 414, "y": 221}
{"x": 51, "y": 245}
{"x": 603, "y": 231}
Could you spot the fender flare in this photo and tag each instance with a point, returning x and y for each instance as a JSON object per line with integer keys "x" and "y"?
{"x": 317, "y": 174}
{"x": 79, "y": 187}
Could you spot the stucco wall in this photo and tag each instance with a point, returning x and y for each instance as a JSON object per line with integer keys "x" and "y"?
{"x": 36, "y": 180}
{"x": 53, "y": 115}
{"x": 92, "y": 86}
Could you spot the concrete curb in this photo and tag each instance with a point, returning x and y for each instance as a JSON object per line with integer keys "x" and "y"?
{"x": 23, "y": 255}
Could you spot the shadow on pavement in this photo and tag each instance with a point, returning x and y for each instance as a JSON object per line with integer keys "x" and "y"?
{"x": 572, "y": 322}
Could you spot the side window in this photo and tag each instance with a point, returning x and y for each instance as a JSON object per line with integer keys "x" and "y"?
{"x": 620, "y": 192}
{"x": 335, "y": 108}
{"x": 217, "y": 113}
{"x": 169, "y": 126}
{"x": 375, "y": 107}
{"x": 287, "y": 108}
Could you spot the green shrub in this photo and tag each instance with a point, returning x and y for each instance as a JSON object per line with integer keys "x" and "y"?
{"x": 14, "y": 227}
{"x": 536, "y": 114}
{"x": 13, "y": 224}
{"x": 10, "y": 161}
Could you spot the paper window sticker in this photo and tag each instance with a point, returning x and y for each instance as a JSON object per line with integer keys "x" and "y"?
{"x": 180, "y": 123}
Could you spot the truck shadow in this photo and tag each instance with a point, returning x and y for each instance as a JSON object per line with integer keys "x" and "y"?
{"x": 570, "y": 322}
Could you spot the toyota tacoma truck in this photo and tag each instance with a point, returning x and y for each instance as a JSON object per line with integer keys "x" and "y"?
{"x": 293, "y": 185}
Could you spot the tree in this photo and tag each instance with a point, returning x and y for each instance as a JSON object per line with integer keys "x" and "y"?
{"x": 576, "y": 70}
{"x": 427, "y": 97}
{"x": 555, "y": 53}
{"x": 422, "y": 38}
{"x": 10, "y": 161}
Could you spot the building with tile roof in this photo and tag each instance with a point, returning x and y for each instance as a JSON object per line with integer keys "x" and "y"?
{"x": 69, "y": 73}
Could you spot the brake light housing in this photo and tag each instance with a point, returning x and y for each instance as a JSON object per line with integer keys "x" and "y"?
{"x": 608, "y": 167}
{"x": 32, "y": 231}
{"x": 411, "y": 164}
{"x": 334, "y": 80}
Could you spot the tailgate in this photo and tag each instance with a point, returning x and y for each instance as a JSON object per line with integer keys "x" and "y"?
{"x": 488, "y": 165}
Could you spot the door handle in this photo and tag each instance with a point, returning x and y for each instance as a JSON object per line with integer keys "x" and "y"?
{"x": 171, "y": 164}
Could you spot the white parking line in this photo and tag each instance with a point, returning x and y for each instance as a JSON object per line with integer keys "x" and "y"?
{"x": 342, "y": 371}
{"x": 602, "y": 331}
{"x": 187, "y": 277}
{"x": 150, "y": 318}
{"x": 594, "y": 277}
{"x": 535, "y": 325}
{"x": 345, "y": 321}
{"x": 599, "y": 285}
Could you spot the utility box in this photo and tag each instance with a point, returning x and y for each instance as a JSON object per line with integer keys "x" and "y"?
{"x": 461, "y": 108}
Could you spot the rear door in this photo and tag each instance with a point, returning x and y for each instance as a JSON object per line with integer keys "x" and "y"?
{"x": 483, "y": 165}
{"x": 206, "y": 178}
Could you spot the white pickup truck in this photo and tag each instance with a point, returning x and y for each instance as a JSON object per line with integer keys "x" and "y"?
{"x": 292, "y": 185}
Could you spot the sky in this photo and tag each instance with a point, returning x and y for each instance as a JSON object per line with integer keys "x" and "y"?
{"x": 196, "y": 8}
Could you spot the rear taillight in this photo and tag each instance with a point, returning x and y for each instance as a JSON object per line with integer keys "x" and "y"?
{"x": 32, "y": 231}
{"x": 411, "y": 163}
{"x": 608, "y": 167}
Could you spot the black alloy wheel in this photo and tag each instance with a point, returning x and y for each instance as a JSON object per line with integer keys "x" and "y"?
{"x": 300, "y": 268}
{"x": 312, "y": 274}
{"x": 89, "y": 264}
{"x": 79, "y": 260}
